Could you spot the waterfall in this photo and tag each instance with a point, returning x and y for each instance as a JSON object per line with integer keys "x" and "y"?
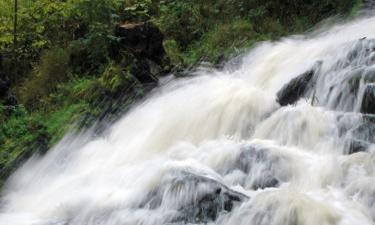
{"x": 217, "y": 148}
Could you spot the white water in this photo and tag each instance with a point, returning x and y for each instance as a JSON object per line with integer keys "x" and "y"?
{"x": 209, "y": 125}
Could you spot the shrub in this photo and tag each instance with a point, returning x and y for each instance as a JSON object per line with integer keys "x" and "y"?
{"x": 51, "y": 71}
{"x": 221, "y": 41}
{"x": 182, "y": 21}
{"x": 173, "y": 52}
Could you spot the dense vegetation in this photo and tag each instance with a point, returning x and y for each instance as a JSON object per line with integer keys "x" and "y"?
{"x": 63, "y": 67}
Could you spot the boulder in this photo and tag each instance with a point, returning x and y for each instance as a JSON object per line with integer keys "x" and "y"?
{"x": 144, "y": 39}
{"x": 355, "y": 146}
{"x": 197, "y": 198}
{"x": 361, "y": 53}
{"x": 253, "y": 156}
{"x": 297, "y": 87}
{"x": 357, "y": 131}
{"x": 259, "y": 168}
{"x": 368, "y": 100}
{"x": 365, "y": 130}
{"x": 142, "y": 45}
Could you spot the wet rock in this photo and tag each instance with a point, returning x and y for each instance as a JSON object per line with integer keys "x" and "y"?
{"x": 348, "y": 77}
{"x": 357, "y": 131}
{"x": 362, "y": 53}
{"x": 297, "y": 87}
{"x": 357, "y": 77}
{"x": 269, "y": 182}
{"x": 257, "y": 168}
{"x": 251, "y": 157}
{"x": 365, "y": 130}
{"x": 355, "y": 146}
{"x": 368, "y": 101}
{"x": 198, "y": 199}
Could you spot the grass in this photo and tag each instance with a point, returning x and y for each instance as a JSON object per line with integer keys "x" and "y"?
{"x": 60, "y": 121}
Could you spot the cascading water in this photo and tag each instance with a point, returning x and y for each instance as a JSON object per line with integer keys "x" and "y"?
{"x": 217, "y": 148}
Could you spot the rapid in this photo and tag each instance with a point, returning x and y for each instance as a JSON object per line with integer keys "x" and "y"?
{"x": 216, "y": 147}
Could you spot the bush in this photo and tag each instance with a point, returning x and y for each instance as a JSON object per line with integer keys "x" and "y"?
{"x": 139, "y": 10}
{"x": 52, "y": 70}
{"x": 222, "y": 41}
{"x": 172, "y": 50}
{"x": 182, "y": 21}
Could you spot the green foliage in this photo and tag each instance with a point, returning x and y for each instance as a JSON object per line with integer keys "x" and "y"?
{"x": 60, "y": 121}
{"x": 139, "y": 10}
{"x": 224, "y": 39}
{"x": 173, "y": 51}
{"x": 206, "y": 28}
{"x": 21, "y": 135}
{"x": 182, "y": 21}
{"x": 51, "y": 71}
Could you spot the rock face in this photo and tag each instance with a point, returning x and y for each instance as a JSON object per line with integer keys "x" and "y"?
{"x": 198, "y": 199}
{"x": 368, "y": 101}
{"x": 297, "y": 87}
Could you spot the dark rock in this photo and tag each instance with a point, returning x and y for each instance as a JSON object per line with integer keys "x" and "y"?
{"x": 251, "y": 156}
{"x": 349, "y": 76}
{"x": 358, "y": 77}
{"x": 142, "y": 71}
{"x": 260, "y": 168}
{"x": 4, "y": 88}
{"x": 361, "y": 53}
{"x": 365, "y": 130}
{"x": 198, "y": 199}
{"x": 355, "y": 145}
{"x": 297, "y": 87}
{"x": 269, "y": 182}
{"x": 357, "y": 131}
{"x": 4, "y": 82}
{"x": 143, "y": 39}
{"x": 368, "y": 101}
{"x": 6, "y": 97}
{"x": 140, "y": 47}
